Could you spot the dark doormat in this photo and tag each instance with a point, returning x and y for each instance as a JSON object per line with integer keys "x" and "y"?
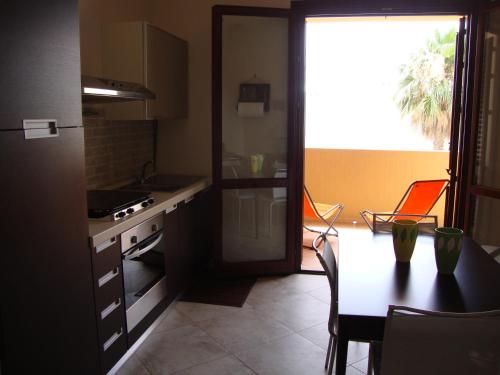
{"x": 227, "y": 292}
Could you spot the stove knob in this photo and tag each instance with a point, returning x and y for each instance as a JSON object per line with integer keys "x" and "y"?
{"x": 151, "y": 200}
{"x": 121, "y": 214}
{"x": 130, "y": 211}
{"x": 154, "y": 228}
{"x": 144, "y": 204}
{"x": 133, "y": 239}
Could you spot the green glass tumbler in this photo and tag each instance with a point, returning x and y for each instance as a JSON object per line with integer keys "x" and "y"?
{"x": 404, "y": 236}
{"x": 447, "y": 248}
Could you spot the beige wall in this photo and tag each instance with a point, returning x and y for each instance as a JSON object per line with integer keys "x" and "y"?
{"x": 369, "y": 179}
{"x": 185, "y": 146}
{"x": 93, "y": 13}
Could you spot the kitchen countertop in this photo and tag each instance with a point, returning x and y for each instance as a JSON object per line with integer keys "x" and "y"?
{"x": 101, "y": 230}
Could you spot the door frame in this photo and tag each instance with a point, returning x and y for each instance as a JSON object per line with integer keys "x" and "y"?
{"x": 268, "y": 267}
{"x": 470, "y": 190}
{"x": 367, "y": 8}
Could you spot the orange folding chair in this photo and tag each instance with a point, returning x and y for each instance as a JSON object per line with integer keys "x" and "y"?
{"x": 326, "y": 213}
{"x": 416, "y": 204}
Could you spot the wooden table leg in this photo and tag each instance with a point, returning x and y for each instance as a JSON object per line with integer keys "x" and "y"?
{"x": 342, "y": 345}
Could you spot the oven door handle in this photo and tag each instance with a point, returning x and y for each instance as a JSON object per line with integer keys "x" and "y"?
{"x": 139, "y": 252}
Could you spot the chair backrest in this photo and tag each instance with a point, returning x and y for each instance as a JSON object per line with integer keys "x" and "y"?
{"x": 420, "y": 197}
{"x": 309, "y": 210}
{"x": 329, "y": 264}
{"x": 426, "y": 342}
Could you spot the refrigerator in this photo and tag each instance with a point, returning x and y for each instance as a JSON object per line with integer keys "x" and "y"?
{"x": 47, "y": 318}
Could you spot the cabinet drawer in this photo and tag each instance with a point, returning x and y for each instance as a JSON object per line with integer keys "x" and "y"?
{"x": 110, "y": 319}
{"x": 113, "y": 348}
{"x": 108, "y": 288}
{"x": 106, "y": 256}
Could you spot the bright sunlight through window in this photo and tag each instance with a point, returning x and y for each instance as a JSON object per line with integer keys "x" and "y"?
{"x": 379, "y": 83}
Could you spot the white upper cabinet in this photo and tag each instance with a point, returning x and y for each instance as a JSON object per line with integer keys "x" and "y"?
{"x": 142, "y": 53}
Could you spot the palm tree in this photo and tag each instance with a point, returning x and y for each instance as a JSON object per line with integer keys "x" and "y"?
{"x": 426, "y": 87}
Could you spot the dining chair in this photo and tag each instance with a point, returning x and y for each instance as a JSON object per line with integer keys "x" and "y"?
{"x": 427, "y": 342}
{"x": 416, "y": 203}
{"x": 329, "y": 263}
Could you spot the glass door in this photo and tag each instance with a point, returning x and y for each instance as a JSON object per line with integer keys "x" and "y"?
{"x": 250, "y": 140}
{"x": 483, "y": 189}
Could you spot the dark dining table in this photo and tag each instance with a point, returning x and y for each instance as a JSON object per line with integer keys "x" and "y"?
{"x": 370, "y": 280}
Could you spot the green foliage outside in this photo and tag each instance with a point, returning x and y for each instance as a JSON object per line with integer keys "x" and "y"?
{"x": 426, "y": 87}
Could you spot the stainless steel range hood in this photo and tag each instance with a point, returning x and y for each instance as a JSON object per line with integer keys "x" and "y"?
{"x": 103, "y": 90}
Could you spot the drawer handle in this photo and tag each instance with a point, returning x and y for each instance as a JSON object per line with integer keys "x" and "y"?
{"x": 108, "y": 310}
{"x": 112, "y": 339}
{"x": 105, "y": 245}
{"x": 108, "y": 277}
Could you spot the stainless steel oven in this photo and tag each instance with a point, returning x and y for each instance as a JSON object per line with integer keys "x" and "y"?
{"x": 143, "y": 269}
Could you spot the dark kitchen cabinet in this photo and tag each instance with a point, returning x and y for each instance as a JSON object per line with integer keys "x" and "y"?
{"x": 173, "y": 255}
{"x": 184, "y": 250}
{"x": 47, "y": 313}
{"x": 109, "y": 302}
{"x": 204, "y": 229}
{"x": 47, "y": 309}
{"x": 40, "y": 62}
{"x": 187, "y": 232}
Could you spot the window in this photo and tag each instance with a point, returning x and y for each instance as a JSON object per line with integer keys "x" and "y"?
{"x": 356, "y": 71}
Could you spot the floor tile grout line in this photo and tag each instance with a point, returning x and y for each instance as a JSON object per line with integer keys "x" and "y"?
{"x": 255, "y": 371}
{"x": 304, "y": 328}
{"x": 244, "y": 364}
{"x": 247, "y": 365}
{"x": 193, "y": 325}
{"x": 316, "y": 345}
{"x": 201, "y": 363}
{"x": 267, "y": 316}
{"x": 187, "y": 324}
{"x": 261, "y": 343}
{"x": 319, "y": 299}
{"x": 221, "y": 315}
{"x": 145, "y": 365}
{"x": 353, "y": 363}
{"x": 212, "y": 318}
{"x": 357, "y": 369}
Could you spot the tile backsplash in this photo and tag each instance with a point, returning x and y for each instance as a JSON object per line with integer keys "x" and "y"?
{"x": 116, "y": 150}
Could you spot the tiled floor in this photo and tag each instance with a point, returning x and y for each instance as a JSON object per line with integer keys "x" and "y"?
{"x": 282, "y": 329}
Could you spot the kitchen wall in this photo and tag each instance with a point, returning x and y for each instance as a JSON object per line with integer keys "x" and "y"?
{"x": 185, "y": 145}
{"x": 114, "y": 150}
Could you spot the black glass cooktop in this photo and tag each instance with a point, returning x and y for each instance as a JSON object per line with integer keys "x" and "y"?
{"x": 102, "y": 203}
